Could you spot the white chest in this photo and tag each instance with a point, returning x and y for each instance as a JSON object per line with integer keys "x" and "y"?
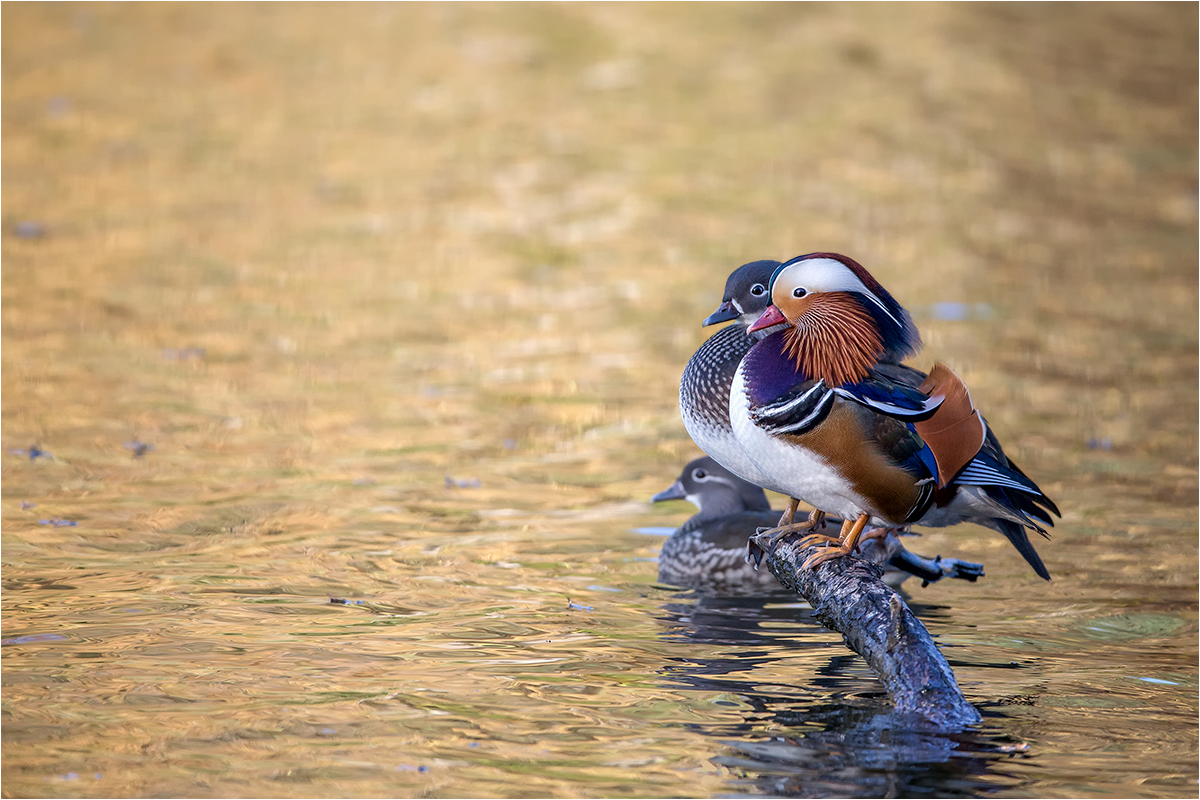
{"x": 791, "y": 469}
{"x": 719, "y": 443}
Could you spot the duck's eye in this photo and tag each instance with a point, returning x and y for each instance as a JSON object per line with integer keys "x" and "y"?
{"x": 799, "y": 292}
{"x": 758, "y": 290}
{"x": 699, "y": 474}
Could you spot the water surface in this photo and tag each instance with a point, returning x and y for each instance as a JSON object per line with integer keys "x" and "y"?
{"x": 400, "y": 296}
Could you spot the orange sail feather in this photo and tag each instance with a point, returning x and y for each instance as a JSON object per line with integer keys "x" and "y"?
{"x": 955, "y": 433}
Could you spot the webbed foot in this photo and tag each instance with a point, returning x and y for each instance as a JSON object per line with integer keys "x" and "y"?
{"x": 847, "y": 542}
{"x": 773, "y": 537}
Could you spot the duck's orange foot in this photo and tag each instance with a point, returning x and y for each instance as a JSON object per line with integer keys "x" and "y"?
{"x": 826, "y": 554}
{"x": 773, "y": 537}
{"x": 817, "y": 538}
{"x": 846, "y": 543}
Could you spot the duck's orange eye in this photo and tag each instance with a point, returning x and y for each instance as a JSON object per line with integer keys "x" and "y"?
{"x": 799, "y": 292}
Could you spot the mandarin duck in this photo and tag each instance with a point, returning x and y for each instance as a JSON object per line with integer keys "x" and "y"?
{"x": 708, "y": 551}
{"x": 707, "y": 378}
{"x": 826, "y": 410}
{"x": 704, "y": 384}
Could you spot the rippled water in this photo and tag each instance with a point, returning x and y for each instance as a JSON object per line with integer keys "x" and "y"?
{"x": 400, "y": 296}
{"x": 509, "y": 662}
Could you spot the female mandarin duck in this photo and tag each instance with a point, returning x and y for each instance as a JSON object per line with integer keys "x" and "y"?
{"x": 704, "y": 385}
{"x": 826, "y": 411}
{"x": 708, "y": 552}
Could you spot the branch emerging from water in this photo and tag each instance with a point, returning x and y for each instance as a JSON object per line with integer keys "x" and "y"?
{"x": 847, "y": 595}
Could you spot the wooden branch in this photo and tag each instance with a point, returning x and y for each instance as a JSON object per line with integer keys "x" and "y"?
{"x": 847, "y": 595}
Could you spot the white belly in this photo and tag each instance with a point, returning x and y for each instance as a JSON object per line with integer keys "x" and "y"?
{"x": 719, "y": 443}
{"x": 789, "y": 469}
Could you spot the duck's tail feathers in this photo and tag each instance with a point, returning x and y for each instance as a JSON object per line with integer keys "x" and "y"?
{"x": 1020, "y": 540}
{"x": 1042, "y": 499}
{"x": 1010, "y": 488}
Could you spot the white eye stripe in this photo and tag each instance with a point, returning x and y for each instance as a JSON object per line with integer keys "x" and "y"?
{"x": 829, "y": 275}
{"x": 822, "y": 275}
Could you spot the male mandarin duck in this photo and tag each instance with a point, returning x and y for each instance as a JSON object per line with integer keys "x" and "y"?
{"x": 708, "y": 551}
{"x": 706, "y": 381}
{"x": 826, "y": 411}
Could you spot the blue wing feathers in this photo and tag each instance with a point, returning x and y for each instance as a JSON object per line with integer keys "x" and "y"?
{"x": 887, "y": 393}
{"x": 890, "y": 398}
{"x": 925, "y": 456}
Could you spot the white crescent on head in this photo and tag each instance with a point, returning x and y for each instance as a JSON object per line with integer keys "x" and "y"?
{"x": 823, "y": 275}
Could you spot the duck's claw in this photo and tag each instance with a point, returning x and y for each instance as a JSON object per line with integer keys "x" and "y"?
{"x": 846, "y": 543}
{"x": 754, "y": 553}
{"x": 773, "y": 537}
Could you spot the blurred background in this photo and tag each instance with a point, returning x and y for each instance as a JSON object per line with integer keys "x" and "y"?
{"x": 400, "y": 295}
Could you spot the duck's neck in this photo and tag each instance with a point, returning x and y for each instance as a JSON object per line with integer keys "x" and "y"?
{"x": 835, "y": 340}
{"x": 717, "y": 502}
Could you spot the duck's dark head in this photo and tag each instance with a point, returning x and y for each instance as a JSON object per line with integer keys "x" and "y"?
{"x": 714, "y": 490}
{"x": 747, "y": 294}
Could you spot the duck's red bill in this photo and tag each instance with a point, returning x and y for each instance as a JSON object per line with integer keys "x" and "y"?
{"x": 769, "y": 319}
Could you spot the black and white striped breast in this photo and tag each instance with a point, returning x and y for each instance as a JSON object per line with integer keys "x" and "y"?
{"x": 704, "y": 385}
{"x": 704, "y": 399}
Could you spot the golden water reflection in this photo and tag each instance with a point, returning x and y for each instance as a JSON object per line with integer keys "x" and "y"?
{"x": 400, "y": 296}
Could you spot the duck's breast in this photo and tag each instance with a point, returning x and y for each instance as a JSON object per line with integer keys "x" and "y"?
{"x": 789, "y": 466}
{"x": 704, "y": 400}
